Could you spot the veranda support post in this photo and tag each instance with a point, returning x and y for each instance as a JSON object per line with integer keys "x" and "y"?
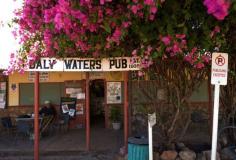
{"x": 36, "y": 116}
{"x": 126, "y": 111}
{"x": 87, "y": 113}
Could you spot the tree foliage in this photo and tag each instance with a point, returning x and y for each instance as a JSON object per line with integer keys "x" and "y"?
{"x": 185, "y": 29}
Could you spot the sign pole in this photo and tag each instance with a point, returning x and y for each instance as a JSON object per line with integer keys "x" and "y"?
{"x": 151, "y": 122}
{"x": 150, "y": 141}
{"x": 219, "y": 73}
{"x": 215, "y": 122}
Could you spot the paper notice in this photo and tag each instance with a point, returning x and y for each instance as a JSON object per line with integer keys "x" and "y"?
{"x": 65, "y": 108}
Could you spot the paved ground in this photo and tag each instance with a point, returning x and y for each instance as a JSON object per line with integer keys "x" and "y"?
{"x": 105, "y": 144}
{"x": 71, "y": 155}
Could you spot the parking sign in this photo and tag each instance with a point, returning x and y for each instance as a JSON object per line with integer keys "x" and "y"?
{"x": 219, "y": 68}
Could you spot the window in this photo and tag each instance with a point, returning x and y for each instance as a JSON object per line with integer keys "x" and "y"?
{"x": 48, "y": 91}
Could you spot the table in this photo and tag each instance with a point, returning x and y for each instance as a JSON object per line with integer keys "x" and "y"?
{"x": 26, "y": 126}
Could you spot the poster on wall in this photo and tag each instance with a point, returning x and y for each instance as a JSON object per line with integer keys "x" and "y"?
{"x": 79, "y": 109}
{"x": 114, "y": 93}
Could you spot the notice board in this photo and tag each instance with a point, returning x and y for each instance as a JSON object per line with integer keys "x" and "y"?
{"x": 68, "y": 106}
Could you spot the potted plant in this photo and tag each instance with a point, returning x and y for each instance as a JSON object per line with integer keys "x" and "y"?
{"x": 115, "y": 117}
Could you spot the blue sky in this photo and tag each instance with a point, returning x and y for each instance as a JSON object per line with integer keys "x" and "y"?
{"x": 7, "y": 42}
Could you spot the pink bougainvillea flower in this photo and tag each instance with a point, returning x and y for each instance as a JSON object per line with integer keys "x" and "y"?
{"x": 102, "y": 2}
{"x": 134, "y": 52}
{"x": 140, "y": 73}
{"x": 218, "y": 8}
{"x": 168, "y": 49}
{"x": 217, "y": 29}
{"x": 126, "y": 24}
{"x": 166, "y": 40}
{"x": 151, "y": 17}
{"x": 108, "y": 45}
{"x": 199, "y": 65}
{"x": 176, "y": 48}
{"x": 153, "y": 9}
{"x": 206, "y": 58}
{"x": 134, "y": 9}
{"x": 117, "y": 35}
{"x": 180, "y": 36}
{"x": 149, "y": 2}
{"x": 108, "y": 12}
{"x": 193, "y": 50}
{"x": 188, "y": 58}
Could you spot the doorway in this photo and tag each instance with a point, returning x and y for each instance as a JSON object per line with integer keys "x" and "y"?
{"x": 97, "y": 107}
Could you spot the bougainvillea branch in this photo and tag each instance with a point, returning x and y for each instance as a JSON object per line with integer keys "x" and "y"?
{"x": 106, "y": 28}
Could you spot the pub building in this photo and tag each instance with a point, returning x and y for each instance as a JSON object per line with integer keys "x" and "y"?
{"x": 95, "y": 84}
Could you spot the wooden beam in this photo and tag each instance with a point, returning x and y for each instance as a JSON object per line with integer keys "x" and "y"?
{"x": 36, "y": 116}
{"x": 87, "y": 113}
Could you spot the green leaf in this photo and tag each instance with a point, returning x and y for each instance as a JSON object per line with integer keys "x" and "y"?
{"x": 234, "y": 6}
{"x": 181, "y": 24}
{"x": 154, "y": 54}
{"x": 107, "y": 27}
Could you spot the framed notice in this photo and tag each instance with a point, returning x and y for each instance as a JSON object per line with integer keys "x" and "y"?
{"x": 114, "y": 93}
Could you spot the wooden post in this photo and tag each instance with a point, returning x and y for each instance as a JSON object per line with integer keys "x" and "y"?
{"x": 87, "y": 113}
{"x": 126, "y": 111}
{"x": 36, "y": 116}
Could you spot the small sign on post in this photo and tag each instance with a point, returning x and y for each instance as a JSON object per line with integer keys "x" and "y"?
{"x": 219, "y": 73}
{"x": 151, "y": 123}
{"x": 219, "y": 69}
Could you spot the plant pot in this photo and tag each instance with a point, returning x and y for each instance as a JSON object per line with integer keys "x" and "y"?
{"x": 116, "y": 125}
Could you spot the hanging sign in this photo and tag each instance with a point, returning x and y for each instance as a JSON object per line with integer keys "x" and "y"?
{"x": 86, "y": 64}
{"x": 43, "y": 76}
{"x": 219, "y": 69}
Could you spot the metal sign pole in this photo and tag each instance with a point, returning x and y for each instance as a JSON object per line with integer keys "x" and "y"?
{"x": 215, "y": 122}
{"x": 151, "y": 122}
{"x": 219, "y": 74}
{"x": 150, "y": 141}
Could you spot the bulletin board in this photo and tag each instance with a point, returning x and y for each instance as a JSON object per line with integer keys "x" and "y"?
{"x": 68, "y": 106}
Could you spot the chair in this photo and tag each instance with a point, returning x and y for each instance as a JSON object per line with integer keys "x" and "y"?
{"x": 7, "y": 125}
{"x": 46, "y": 124}
{"x": 23, "y": 128}
{"x": 63, "y": 122}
